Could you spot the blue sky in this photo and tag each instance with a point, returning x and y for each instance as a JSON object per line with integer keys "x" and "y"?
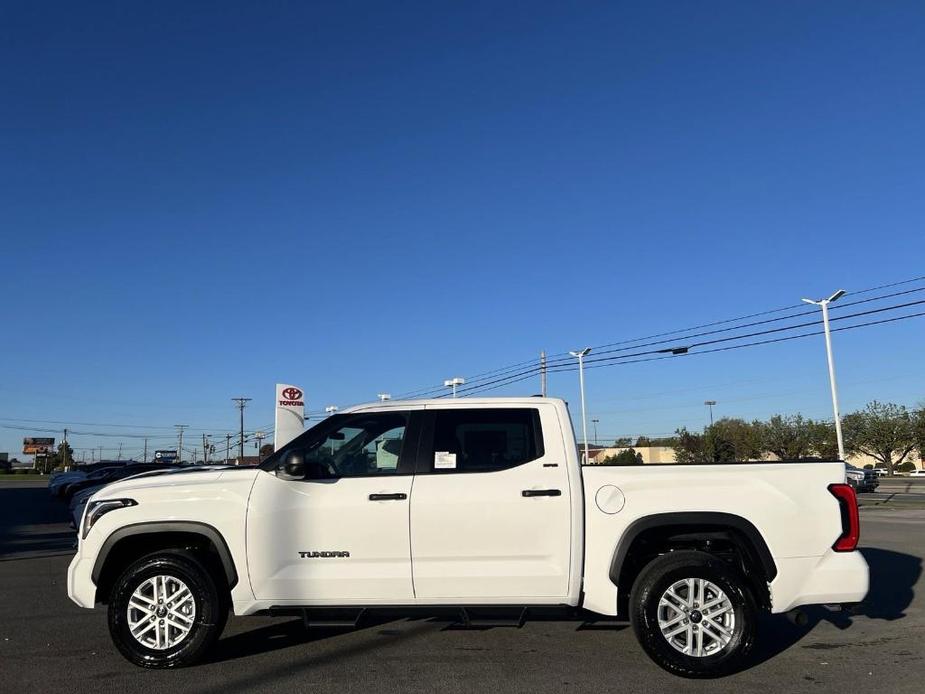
{"x": 199, "y": 200}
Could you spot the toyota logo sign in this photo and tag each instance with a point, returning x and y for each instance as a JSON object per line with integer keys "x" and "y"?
{"x": 292, "y": 394}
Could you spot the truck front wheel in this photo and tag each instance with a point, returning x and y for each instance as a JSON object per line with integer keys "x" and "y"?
{"x": 165, "y": 610}
{"x": 693, "y": 614}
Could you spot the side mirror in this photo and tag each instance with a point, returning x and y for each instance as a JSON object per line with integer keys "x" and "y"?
{"x": 292, "y": 466}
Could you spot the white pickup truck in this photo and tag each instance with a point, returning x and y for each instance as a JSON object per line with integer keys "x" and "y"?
{"x": 468, "y": 503}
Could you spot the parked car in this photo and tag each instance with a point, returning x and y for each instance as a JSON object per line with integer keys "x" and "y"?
{"x": 861, "y": 480}
{"x": 916, "y": 473}
{"x": 99, "y": 476}
{"x": 464, "y": 503}
{"x": 59, "y": 480}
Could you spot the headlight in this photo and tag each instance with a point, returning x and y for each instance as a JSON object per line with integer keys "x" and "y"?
{"x": 97, "y": 509}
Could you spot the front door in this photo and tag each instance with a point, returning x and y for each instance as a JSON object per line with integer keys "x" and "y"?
{"x": 490, "y": 513}
{"x": 339, "y": 535}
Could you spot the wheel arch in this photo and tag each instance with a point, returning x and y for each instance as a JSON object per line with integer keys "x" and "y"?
{"x": 134, "y": 541}
{"x": 692, "y": 527}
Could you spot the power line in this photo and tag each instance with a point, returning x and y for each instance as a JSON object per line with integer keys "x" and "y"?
{"x": 640, "y": 357}
{"x": 514, "y": 370}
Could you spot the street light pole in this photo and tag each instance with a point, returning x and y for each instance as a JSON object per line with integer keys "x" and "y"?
{"x": 594, "y": 421}
{"x": 453, "y": 382}
{"x": 824, "y": 305}
{"x": 260, "y": 436}
{"x": 580, "y": 356}
{"x": 710, "y": 403}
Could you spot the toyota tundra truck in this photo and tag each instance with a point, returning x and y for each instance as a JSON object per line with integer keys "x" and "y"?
{"x": 468, "y": 503}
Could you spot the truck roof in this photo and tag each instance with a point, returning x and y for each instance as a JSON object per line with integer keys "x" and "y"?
{"x": 444, "y": 403}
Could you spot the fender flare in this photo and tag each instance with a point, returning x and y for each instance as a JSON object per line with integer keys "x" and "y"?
{"x": 720, "y": 521}
{"x": 156, "y": 527}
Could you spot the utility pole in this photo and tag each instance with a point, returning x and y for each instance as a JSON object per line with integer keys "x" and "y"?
{"x": 64, "y": 450}
{"x": 101, "y": 453}
{"x": 180, "y": 428}
{"x": 120, "y": 451}
{"x": 543, "y": 373}
{"x": 205, "y": 450}
{"x": 594, "y": 421}
{"x": 242, "y": 403}
{"x": 227, "y": 447}
{"x": 145, "y": 457}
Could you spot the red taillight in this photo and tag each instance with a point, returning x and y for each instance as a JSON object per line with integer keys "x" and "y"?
{"x": 850, "y": 522}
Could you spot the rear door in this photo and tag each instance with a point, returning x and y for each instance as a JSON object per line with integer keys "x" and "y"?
{"x": 490, "y": 511}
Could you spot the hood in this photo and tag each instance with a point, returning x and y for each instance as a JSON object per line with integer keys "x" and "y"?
{"x": 179, "y": 477}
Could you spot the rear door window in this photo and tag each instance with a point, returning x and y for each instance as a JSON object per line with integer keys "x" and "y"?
{"x": 484, "y": 440}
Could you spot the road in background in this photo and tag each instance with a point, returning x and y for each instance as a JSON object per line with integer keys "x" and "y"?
{"x": 48, "y": 644}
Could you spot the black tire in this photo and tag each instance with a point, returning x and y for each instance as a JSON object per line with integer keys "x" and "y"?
{"x": 656, "y": 578}
{"x": 211, "y": 609}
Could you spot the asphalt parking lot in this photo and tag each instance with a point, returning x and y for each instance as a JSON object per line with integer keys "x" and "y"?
{"x": 48, "y": 644}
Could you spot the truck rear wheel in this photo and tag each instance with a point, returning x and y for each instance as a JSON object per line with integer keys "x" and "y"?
{"x": 165, "y": 610}
{"x": 693, "y": 614}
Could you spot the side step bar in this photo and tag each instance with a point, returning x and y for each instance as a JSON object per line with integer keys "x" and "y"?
{"x": 467, "y": 621}
{"x": 350, "y": 620}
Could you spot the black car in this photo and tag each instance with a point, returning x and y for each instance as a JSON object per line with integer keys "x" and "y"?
{"x": 862, "y": 480}
{"x": 107, "y": 475}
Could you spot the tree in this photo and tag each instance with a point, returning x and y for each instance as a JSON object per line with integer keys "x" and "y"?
{"x": 627, "y": 457}
{"x": 265, "y": 450}
{"x": 733, "y": 439}
{"x": 823, "y": 440}
{"x": 918, "y": 430}
{"x": 787, "y": 437}
{"x": 690, "y": 447}
{"x": 666, "y": 441}
{"x": 622, "y": 442}
{"x": 725, "y": 441}
{"x": 57, "y": 459}
{"x": 884, "y": 431}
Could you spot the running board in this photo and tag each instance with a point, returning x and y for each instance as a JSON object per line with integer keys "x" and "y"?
{"x": 466, "y": 620}
{"x": 318, "y": 619}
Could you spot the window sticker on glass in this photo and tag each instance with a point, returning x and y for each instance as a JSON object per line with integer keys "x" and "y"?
{"x": 444, "y": 460}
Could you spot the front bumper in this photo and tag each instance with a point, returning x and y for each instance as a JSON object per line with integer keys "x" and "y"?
{"x": 833, "y": 578}
{"x": 80, "y": 586}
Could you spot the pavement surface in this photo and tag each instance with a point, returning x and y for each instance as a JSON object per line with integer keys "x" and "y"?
{"x": 48, "y": 644}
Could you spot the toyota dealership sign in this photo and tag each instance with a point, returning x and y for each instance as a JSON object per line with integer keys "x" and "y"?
{"x": 290, "y": 414}
{"x": 290, "y": 396}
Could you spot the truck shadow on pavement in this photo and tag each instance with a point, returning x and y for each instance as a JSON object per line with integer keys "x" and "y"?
{"x": 893, "y": 576}
{"x": 286, "y": 633}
